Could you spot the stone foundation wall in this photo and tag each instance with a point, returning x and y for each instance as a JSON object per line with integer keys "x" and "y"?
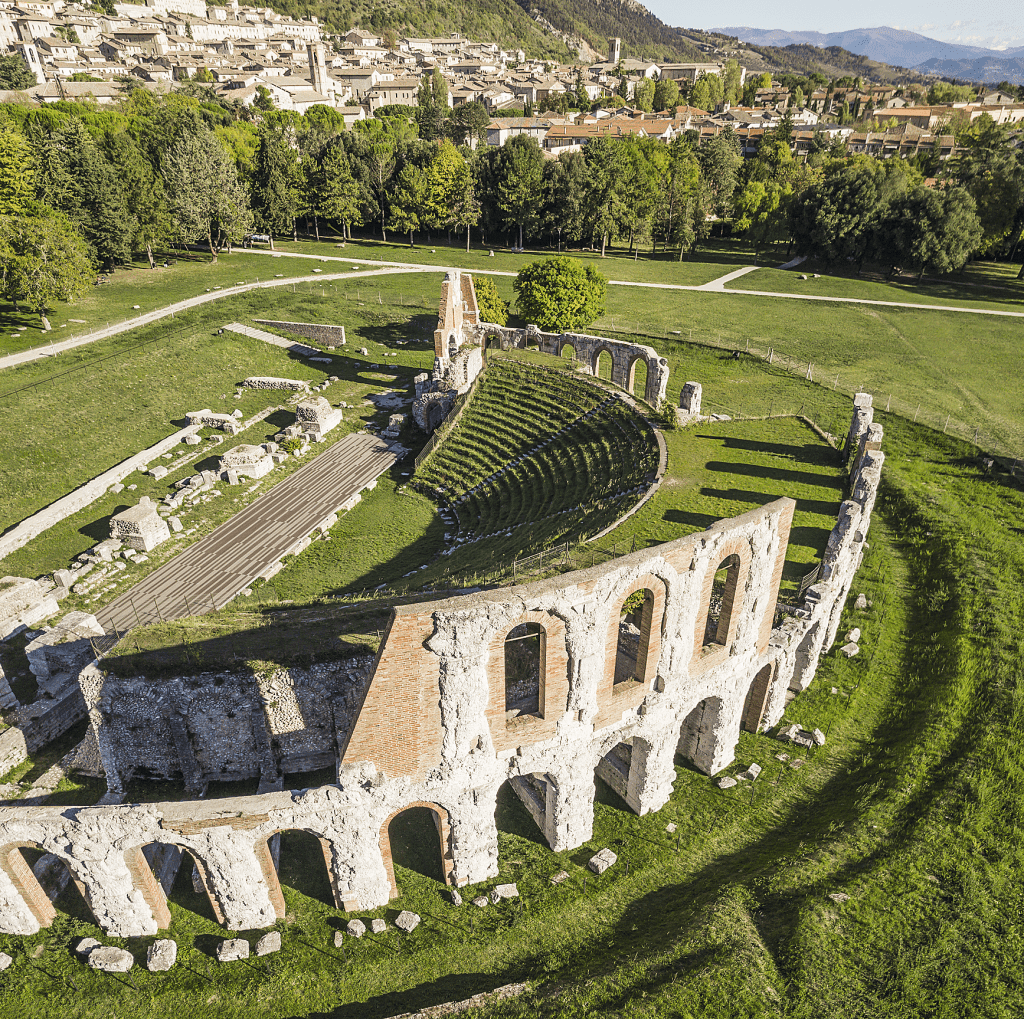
{"x": 430, "y": 727}
{"x": 321, "y": 332}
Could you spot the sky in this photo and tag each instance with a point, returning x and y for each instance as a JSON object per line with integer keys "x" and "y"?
{"x": 997, "y": 24}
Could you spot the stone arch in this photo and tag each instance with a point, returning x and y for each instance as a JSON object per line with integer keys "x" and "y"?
{"x": 145, "y": 879}
{"x": 553, "y": 683}
{"x": 596, "y": 363}
{"x": 699, "y": 734}
{"x": 756, "y": 701}
{"x": 453, "y": 345}
{"x": 567, "y": 345}
{"x": 268, "y": 850}
{"x": 143, "y": 868}
{"x": 721, "y": 596}
{"x": 631, "y": 377}
{"x": 626, "y": 677}
{"x": 441, "y": 821}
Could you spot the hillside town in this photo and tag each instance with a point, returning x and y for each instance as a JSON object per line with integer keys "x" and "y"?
{"x": 254, "y": 56}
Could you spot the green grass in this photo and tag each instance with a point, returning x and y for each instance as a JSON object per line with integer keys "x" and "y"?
{"x": 115, "y": 299}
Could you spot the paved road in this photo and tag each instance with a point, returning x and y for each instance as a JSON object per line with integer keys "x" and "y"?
{"x": 212, "y": 571}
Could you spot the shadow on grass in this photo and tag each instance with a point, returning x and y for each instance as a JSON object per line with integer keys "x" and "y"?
{"x": 776, "y": 473}
{"x": 817, "y": 453}
{"x": 823, "y": 506}
{"x": 415, "y": 844}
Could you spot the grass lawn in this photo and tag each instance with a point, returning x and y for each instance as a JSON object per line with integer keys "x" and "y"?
{"x": 118, "y": 396}
{"x": 115, "y": 299}
{"x": 931, "y": 363}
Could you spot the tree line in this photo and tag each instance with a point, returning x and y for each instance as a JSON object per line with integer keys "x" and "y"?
{"x": 82, "y": 188}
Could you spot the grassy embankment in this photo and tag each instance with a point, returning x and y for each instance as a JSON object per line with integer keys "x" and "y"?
{"x": 911, "y": 809}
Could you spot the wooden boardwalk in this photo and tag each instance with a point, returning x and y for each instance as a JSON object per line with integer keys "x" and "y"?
{"x": 210, "y": 573}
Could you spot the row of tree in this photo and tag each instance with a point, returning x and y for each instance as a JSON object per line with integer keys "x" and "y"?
{"x": 81, "y": 187}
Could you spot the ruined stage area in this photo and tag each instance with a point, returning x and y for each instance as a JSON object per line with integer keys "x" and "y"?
{"x": 210, "y": 573}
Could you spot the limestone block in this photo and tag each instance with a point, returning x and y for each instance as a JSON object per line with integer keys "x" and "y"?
{"x": 231, "y": 477}
{"x": 819, "y": 737}
{"x": 247, "y": 461}
{"x": 689, "y": 402}
{"x": 161, "y": 955}
{"x": 789, "y": 733}
{"x": 455, "y": 896}
{"x": 63, "y": 578}
{"x": 174, "y": 523}
{"x": 750, "y": 774}
{"x": 24, "y": 603}
{"x": 114, "y": 489}
{"x": 562, "y": 875}
{"x": 378, "y": 926}
{"x": 601, "y": 861}
{"x": 505, "y": 892}
{"x": 269, "y": 943}
{"x": 270, "y": 382}
{"x": 406, "y": 921}
{"x": 839, "y": 897}
{"x": 480, "y": 900}
{"x": 110, "y": 959}
{"x": 85, "y": 945}
{"x": 140, "y": 527}
{"x": 725, "y": 782}
{"x": 849, "y": 650}
{"x": 339, "y": 939}
{"x": 192, "y": 440}
{"x": 356, "y": 928}
{"x": 854, "y": 635}
{"x": 232, "y": 950}
{"x": 5, "y": 961}
{"x": 861, "y": 603}
{"x": 158, "y": 472}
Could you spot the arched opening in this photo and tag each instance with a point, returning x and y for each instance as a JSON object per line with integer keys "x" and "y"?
{"x": 46, "y": 883}
{"x": 638, "y": 378}
{"x": 568, "y": 352}
{"x": 414, "y": 844}
{"x": 301, "y": 860}
{"x": 524, "y": 669}
{"x": 453, "y": 345}
{"x": 757, "y": 700}
{"x": 720, "y": 604}
{"x": 697, "y": 740}
{"x": 635, "y": 619}
{"x": 603, "y": 365}
{"x": 521, "y": 812}
{"x": 190, "y": 888}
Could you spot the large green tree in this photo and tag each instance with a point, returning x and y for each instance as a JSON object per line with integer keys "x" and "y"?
{"x": 17, "y": 171}
{"x": 520, "y": 183}
{"x": 406, "y": 207}
{"x": 274, "y": 198}
{"x": 15, "y": 72}
{"x": 560, "y": 293}
{"x": 666, "y": 94}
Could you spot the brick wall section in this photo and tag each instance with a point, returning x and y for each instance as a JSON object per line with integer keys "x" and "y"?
{"x": 707, "y": 657}
{"x": 399, "y": 724}
{"x": 768, "y": 619}
{"x": 145, "y": 880}
{"x": 554, "y": 685}
{"x": 24, "y": 881}
{"x": 320, "y": 332}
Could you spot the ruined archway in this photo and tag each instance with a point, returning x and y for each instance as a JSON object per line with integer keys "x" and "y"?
{"x": 602, "y": 364}
{"x": 43, "y": 880}
{"x": 525, "y": 647}
{"x": 698, "y": 735}
{"x": 634, "y": 637}
{"x": 302, "y": 862}
{"x": 756, "y": 700}
{"x": 638, "y": 377}
{"x": 719, "y": 610}
{"x": 567, "y": 351}
{"x": 406, "y": 839}
{"x": 522, "y": 809}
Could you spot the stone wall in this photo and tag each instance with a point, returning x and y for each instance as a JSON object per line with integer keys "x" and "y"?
{"x": 321, "y": 332}
{"x": 431, "y": 726}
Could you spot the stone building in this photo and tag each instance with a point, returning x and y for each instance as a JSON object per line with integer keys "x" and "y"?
{"x": 316, "y": 417}
{"x": 140, "y": 527}
{"x": 246, "y": 460}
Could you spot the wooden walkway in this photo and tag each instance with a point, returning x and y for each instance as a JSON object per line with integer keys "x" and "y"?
{"x": 210, "y": 573}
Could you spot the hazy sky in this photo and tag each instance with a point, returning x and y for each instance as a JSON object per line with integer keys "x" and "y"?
{"x": 998, "y": 24}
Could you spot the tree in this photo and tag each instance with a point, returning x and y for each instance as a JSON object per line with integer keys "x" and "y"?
{"x": 432, "y": 103}
{"x": 666, "y": 94}
{"x": 761, "y": 211}
{"x": 207, "y": 199}
{"x": 520, "y": 183}
{"x": 700, "y": 94}
{"x": 639, "y": 188}
{"x": 407, "y": 201}
{"x": 378, "y": 152}
{"x": 943, "y": 92}
{"x": 17, "y": 173}
{"x": 732, "y": 88}
{"x": 622, "y": 89}
{"x": 560, "y": 293}
{"x": 273, "y": 195}
{"x": 264, "y": 101}
{"x": 581, "y": 95}
{"x": 144, "y": 193}
{"x": 720, "y": 162}
{"x": 468, "y": 123}
{"x": 15, "y": 72}
{"x": 204, "y": 76}
{"x": 492, "y": 306}
{"x": 603, "y": 193}
{"x": 331, "y": 191}
{"x": 42, "y": 260}
{"x": 643, "y": 95}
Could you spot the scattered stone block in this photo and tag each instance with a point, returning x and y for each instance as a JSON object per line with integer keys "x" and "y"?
{"x": 247, "y": 461}
{"x": 231, "y": 477}
{"x": 751, "y": 773}
{"x": 140, "y": 527}
{"x": 797, "y": 764}
{"x": 782, "y": 757}
{"x": 509, "y": 891}
{"x": 601, "y": 861}
{"x": 85, "y": 945}
{"x": 406, "y": 921}
{"x": 854, "y": 635}
{"x": 789, "y": 733}
{"x": 839, "y": 897}
{"x": 192, "y": 440}
{"x": 861, "y": 603}
{"x": 818, "y": 736}
{"x": 562, "y": 875}
{"x": 849, "y": 650}
{"x": 481, "y": 901}
{"x": 725, "y": 782}
{"x": 271, "y": 382}
{"x": 63, "y": 578}
{"x": 158, "y": 472}
{"x": 5, "y": 961}
{"x": 114, "y": 489}
{"x": 174, "y": 523}
{"x": 269, "y": 943}
{"x": 670, "y": 827}
{"x": 232, "y": 950}
{"x": 379, "y": 926}
{"x": 339, "y": 939}
{"x": 455, "y": 897}
{"x": 110, "y": 959}
{"x": 161, "y": 955}
{"x": 355, "y": 928}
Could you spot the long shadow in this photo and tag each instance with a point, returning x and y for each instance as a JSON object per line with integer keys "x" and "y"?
{"x": 810, "y": 537}
{"x": 698, "y": 521}
{"x": 776, "y": 473}
{"x": 825, "y": 506}
{"x": 817, "y": 453}
{"x": 417, "y": 329}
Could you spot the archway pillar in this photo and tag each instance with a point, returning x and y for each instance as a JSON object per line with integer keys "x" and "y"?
{"x": 569, "y": 818}
{"x": 24, "y": 906}
{"x": 651, "y": 773}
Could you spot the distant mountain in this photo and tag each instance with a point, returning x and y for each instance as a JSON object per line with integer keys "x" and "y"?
{"x": 891, "y": 45}
{"x": 990, "y": 70}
